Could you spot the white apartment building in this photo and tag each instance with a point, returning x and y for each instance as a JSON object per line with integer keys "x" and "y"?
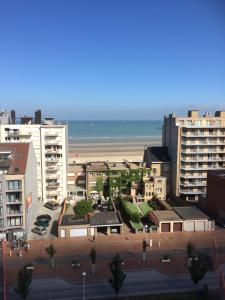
{"x": 49, "y": 141}
{"x": 195, "y": 144}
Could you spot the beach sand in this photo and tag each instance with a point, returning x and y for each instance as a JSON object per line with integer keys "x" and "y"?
{"x": 115, "y": 149}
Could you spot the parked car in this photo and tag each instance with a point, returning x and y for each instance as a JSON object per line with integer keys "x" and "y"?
{"x": 52, "y": 205}
{"x": 44, "y": 217}
{"x": 220, "y": 223}
{"x": 75, "y": 263}
{"x": 42, "y": 223}
{"x": 39, "y": 230}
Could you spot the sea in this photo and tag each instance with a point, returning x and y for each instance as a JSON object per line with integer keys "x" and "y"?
{"x": 103, "y": 130}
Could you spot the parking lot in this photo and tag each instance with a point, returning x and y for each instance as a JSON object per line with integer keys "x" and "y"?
{"x": 52, "y": 228}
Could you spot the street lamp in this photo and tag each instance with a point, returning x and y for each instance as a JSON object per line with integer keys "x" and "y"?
{"x": 84, "y": 275}
{"x": 146, "y": 227}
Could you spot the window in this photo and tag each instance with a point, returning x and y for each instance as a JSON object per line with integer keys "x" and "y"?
{"x": 14, "y": 184}
{"x": 7, "y": 138}
{"x": 0, "y": 185}
{"x": 154, "y": 170}
{"x": 1, "y": 199}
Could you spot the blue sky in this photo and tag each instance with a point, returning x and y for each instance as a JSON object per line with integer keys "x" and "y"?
{"x": 112, "y": 59}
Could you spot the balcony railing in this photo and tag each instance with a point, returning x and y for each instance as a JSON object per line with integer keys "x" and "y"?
{"x": 191, "y": 192}
{"x": 14, "y": 212}
{"x": 13, "y": 201}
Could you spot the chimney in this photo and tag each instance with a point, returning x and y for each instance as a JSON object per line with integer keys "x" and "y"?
{"x": 38, "y": 116}
{"x": 13, "y": 116}
{"x": 193, "y": 113}
{"x": 220, "y": 114}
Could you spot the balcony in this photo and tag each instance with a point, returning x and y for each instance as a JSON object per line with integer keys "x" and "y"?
{"x": 50, "y": 135}
{"x": 191, "y": 192}
{"x": 53, "y": 193}
{"x": 193, "y": 176}
{"x": 53, "y": 151}
{"x": 19, "y": 134}
{"x": 52, "y": 176}
{"x": 14, "y": 212}
{"x": 202, "y": 151}
{"x": 14, "y": 201}
{"x": 203, "y": 159}
{"x": 185, "y": 168}
{"x": 52, "y": 160}
{"x": 194, "y": 144}
{"x": 53, "y": 142}
{"x": 193, "y": 184}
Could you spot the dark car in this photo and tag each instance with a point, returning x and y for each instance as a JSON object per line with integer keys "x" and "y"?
{"x": 220, "y": 223}
{"x": 39, "y": 230}
{"x": 44, "y": 217}
{"x": 52, "y": 205}
{"x": 43, "y": 223}
{"x": 75, "y": 263}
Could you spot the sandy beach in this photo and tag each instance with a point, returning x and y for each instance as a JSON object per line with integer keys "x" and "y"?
{"x": 112, "y": 149}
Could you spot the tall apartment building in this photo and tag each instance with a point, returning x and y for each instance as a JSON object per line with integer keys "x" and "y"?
{"x": 18, "y": 190}
{"x": 195, "y": 144}
{"x": 49, "y": 140}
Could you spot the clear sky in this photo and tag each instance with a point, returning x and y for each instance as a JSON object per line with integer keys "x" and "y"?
{"x": 118, "y": 59}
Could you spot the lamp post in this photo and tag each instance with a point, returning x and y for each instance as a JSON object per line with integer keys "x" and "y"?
{"x": 84, "y": 275}
{"x": 146, "y": 227}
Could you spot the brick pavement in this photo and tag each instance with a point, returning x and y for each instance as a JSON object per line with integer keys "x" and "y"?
{"x": 131, "y": 245}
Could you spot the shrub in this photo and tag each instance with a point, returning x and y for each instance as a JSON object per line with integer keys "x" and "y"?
{"x": 83, "y": 207}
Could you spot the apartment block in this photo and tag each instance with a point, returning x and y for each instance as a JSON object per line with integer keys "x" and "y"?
{"x": 18, "y": 190}
{"x": 49, "y": 139}
{"x": 196, "y": 144}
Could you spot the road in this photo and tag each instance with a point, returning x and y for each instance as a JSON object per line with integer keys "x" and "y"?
{"x": 137, "y": 283}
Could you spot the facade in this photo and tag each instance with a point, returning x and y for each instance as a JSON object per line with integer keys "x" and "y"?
{"x": 166, "y": 220}
{"x": 215, "y": 195}
{"x": 119, "y": 178}
{"x": 196, "y": 144}
{"x": 154, "y": 187}
{"x": 49, "y": 141}
{"x": 157, "y": 176}
{"x": 76, "y": 183}
{"x": 194, "y": 219}
{"x": 18, "y": 190}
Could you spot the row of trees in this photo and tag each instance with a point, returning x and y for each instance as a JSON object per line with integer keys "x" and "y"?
{"x": 195, "y": 261}
{"x": 24, "y": 277}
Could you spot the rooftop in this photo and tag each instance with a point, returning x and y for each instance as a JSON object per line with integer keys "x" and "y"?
{"x": 156, "y": 154}
{"x": 190, "y": 213}
{"x": 166, "y": 215}
{"x": 105, "y": 218}
{"x": 73, "y": 220}
{"x": 96, "y": 166}
{"x": 14, "y": 157}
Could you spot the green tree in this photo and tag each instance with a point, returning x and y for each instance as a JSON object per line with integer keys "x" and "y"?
{"x": 99, "y": 184}
{"x": 93, "y": 256}
{"x": 83, "y": 207}
{"x": 51, "y": 250}
{"x": 190, "y": 248}
{"x": 117, "y": 274}
{"x": 197, "y": 269}
{"x": 24, "y": 279}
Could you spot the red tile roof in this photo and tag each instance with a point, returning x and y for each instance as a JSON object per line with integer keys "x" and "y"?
{"x": 19, "y": 155}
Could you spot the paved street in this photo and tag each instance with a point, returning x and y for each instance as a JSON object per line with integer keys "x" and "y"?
{"x": 149, "y": 276}
{"x": 136, "y": 283}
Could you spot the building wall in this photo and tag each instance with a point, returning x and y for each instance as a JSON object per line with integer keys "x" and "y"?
{"x": 215, "y": 197}
{"x": 37, "y": 134}
{"x": 30, "y": 187}
{"x": 195, "y": 144}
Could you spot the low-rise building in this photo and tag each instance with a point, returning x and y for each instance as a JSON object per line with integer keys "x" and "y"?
{"x": 194, "y": 219}
{"x": 166, "y": 220}
{"x": 157, "y": 163}
{"x": 76, "y": 183}
{"x": 18, "y": 190}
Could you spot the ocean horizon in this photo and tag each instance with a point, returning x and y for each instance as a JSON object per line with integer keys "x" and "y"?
{"x": 104, "y": 130}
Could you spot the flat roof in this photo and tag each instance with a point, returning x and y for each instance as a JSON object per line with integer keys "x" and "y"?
{"x": 166, "y": 215}
{"x": 105, "y": 218}
{"x": 73, "y": 220}
{"x": 190, "y": 213}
